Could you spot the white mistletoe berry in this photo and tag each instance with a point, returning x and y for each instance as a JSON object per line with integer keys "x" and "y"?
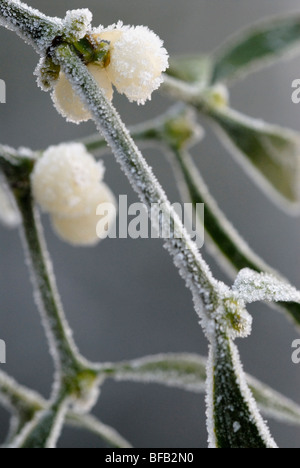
{"x": 69, "y": 104}
{"x": 137, "y": 60}
{"x": 89, "y": 229}
{"x": 65, "y": 178}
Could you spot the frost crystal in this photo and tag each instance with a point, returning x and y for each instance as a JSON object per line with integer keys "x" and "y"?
{"x": 236, "y": 427}
{"x": 47, "y": 73}
{"x": 137, "y": 60}
{"x": 252, "y": 287}
{"x": 235, "y": 412}
{"x": 35, "y": 28}
{"x": 43, "y": 430}
{"x": 77, "y": 23}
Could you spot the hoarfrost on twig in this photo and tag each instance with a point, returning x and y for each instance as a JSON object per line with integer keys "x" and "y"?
{"x": 253, "y": 287}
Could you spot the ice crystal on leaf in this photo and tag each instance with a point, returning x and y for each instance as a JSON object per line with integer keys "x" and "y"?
{"x": 238, "y": 320}
{"x": 45, "y": 74}
{"x": 252, "y": 287}
{"x": 233, "y": 418}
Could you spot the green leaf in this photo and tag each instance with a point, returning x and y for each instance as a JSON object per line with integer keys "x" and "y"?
{"x": 25, "y": 404}
{"x": 44, "y": 430}
{"x": 222, "y": 239}
{"x": 193, "y": 69}
{"x": 270, "y": 154}
{"x": 188, "y": 372}
{"x": 40, "y": 435}
{"x": 257, "y": 47}
{"x": 253, "y": 287}
{"x": 175, "y": 370}
{"x": 233, "y": 417}
{"x": 273, "y": 404}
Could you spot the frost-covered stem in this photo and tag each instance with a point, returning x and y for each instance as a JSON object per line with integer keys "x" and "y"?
{"x": 181, "y": 90}
{"x": 17, "y": 397}
{"x": 151, "y": 131}
{"x": 44, "y": 430}
{"x": 194, "y": 94}
{"x": 25, "y": 404}
{"x": 202, "y": 98}
{"x": 22, "y": 402}
{"x": 185, "y": 253}
{"x": 147, "y": 131}
{"x": 62, "y": 346}
{"x": 31, "y": 25}
{"x": 73, "y": 371}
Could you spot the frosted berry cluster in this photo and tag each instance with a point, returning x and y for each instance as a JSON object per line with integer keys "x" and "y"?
{"x": 68, "y": 184}
{"x": 137, "y": 60}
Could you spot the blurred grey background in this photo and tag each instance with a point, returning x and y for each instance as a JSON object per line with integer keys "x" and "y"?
{"x": 124, "y": 299}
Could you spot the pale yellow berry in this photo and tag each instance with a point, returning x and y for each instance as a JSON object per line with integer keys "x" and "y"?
{"x": 137, "y": 60}
{"x": 68, "y": 103}
{"x": 65, "y": 178}
{"x": 109, "y": 35}
{"x": 89, "y": 229}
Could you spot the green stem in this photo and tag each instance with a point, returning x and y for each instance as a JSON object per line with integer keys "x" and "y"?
{"x": 186, "y": 92}
{"x": 22, "y": 402}
{"x": 62, "y": 345}
{"x": 186, "y": 256}
{"x": 17, "y": 170}
{"x": 148, "y": 131}
{"x": 156, "y": 131}
{"x": 25, "y": 404}
{"x": 43, "y": 431}
{"x": 31, "y": 25}
{"x": 203, "y": 99}
{"x": 106, "y": 433}
{"x": 75, "y": 375}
